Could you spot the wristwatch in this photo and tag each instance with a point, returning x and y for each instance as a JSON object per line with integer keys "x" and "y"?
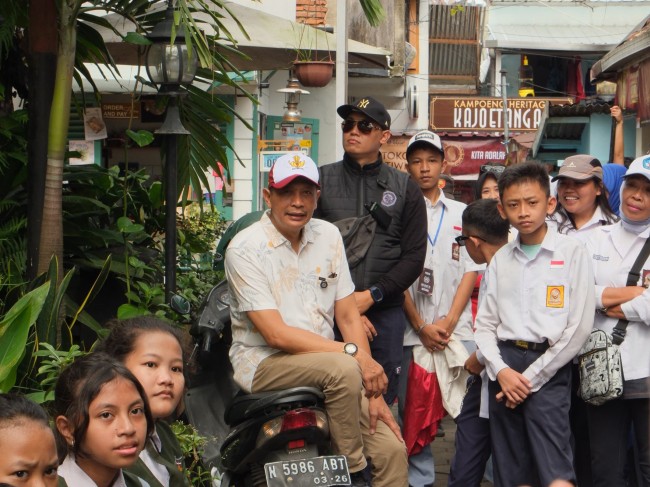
{"x": 376, "y": 294}
{"x": 351, "y": 349}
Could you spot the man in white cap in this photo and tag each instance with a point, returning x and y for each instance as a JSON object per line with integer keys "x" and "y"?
{"x": 437, "y": 305}
{"x": 289, "y": 280}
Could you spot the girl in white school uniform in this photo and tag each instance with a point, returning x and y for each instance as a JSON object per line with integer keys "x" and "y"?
{"x": 152, "y": 350}
{"x": 614, "y": 249}
{"x": 102, "y": 421}
{"x": 29, "y": 456}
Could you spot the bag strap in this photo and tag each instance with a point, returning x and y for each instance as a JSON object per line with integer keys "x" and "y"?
{"x": 618, "y": 334}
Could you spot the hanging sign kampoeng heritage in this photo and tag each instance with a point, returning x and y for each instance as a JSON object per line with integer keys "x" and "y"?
{"x": 486, "y": 114}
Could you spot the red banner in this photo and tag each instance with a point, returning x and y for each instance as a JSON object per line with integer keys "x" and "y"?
{"x": 464, "y": 155}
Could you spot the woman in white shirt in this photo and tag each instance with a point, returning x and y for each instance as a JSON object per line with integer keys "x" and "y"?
{"x": 582, "y": 199}
{"x": 614, "y": 249}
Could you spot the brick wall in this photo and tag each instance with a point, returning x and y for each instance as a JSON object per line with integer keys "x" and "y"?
{"x": 311, "y": 12}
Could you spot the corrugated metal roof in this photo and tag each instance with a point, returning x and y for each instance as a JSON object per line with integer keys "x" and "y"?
{"x": 454, "y": 44}
{"x": 558, "y": 37}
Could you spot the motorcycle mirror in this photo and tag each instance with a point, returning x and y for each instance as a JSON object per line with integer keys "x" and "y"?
{"x": 217, "y": 263}
{"x": 179, "y": 304}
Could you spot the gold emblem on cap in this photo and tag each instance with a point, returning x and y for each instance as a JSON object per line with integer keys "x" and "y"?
{"x": 297, "y": 162}
{"x": 363, "y": 103}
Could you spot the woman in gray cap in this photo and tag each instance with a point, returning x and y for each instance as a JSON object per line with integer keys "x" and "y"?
{"x": 582, "y": 199}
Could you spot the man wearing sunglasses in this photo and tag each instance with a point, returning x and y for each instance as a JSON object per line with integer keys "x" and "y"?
{"x": 362, "y": 184}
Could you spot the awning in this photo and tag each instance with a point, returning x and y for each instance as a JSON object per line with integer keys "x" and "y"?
{"x": 557, "y": 37}
{"x": 271, "y": 44}
{"x": 634, "y": 47}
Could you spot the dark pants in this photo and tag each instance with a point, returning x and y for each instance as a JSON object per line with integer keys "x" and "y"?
{"x": 580, "y": 433}
{"x": 472, "y": 440}
{"x": 387, "y": 346}
{"x": 609, "y": 427}
{"x": 531, "y": 443}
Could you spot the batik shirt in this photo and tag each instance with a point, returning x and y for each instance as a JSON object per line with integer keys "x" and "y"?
{"x": 264, "y": 273}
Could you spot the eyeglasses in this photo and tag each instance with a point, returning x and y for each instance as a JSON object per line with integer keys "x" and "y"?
{"x": 364, "y": 126}
{"x": 460, "y": 240}
{"x": 490, "y": 168}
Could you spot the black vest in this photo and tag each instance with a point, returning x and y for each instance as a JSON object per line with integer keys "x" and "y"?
{"x": 345, "y": 188}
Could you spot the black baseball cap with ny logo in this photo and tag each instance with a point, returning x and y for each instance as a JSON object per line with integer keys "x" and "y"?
{"x": 370, "y": 107}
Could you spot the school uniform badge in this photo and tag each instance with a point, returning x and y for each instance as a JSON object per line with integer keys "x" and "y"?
{"x": 555, "y": 296}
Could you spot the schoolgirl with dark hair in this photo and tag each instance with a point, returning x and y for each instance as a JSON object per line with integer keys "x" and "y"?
{"x": 102, "y": 421}
{"x": 153, "y": 351}
{"x": 27, "y": 444}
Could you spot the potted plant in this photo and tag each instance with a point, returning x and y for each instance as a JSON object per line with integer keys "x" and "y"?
{"x": 307, "y": 67}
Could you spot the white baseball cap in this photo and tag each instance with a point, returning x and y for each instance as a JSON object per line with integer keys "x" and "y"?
{"x": 640, "y": 165}
{"x": 424, "y": 139}
{"x": 291, "y": 166}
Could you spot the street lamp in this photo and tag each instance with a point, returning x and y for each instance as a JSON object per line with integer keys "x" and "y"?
{"x": 292, "y": 94}
{"x": 170, "y": 66}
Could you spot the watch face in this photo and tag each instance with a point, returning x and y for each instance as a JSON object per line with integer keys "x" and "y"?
{"x": 350, "y": 349}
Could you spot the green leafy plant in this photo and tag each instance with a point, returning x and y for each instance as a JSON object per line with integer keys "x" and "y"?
{"x": 53, "y": 362}
{"x": 15, "y": 326}
{"x": 192, "y": 445}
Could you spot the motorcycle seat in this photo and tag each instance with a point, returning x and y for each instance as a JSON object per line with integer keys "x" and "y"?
{"x": 244, "y": 406}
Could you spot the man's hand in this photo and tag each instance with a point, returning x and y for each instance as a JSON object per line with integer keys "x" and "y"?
{"x": 369, "y": 328}
{"x": 379, "y": 410}
{"x": 434, "y": 337}
{"x": 514, "y": 387}
{"x": 616, "y": 113}
{"x": 364, "y": 301}
{"x": 473, "y": 366}
{"x": 374, "y": 379}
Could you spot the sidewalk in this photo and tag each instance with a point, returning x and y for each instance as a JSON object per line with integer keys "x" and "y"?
{"x": 443, "y": 451}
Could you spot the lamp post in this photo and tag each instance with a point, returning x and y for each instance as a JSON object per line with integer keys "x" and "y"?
{"x": 170, "y": 66}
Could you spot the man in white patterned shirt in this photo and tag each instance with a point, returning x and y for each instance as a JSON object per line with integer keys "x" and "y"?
{"x": 288, "y": 279}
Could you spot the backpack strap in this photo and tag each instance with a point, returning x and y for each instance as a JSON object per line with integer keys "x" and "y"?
{"x": 619, "y": 332}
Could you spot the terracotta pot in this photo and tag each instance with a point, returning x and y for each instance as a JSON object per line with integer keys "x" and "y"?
{"x": 314, "y": 74}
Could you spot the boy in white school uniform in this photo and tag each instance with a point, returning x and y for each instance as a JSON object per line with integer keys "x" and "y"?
{"x": 535, "y": 315}
{"x": 437, "y": 304}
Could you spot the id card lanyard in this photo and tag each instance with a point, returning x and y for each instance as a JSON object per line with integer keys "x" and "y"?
{"x": 435, "y": 237}
{"x": 425, "y": 283}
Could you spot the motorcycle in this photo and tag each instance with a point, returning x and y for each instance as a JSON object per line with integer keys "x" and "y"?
{"x": 271, "y": 439}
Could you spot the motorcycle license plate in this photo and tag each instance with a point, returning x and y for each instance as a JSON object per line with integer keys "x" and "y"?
{"x": 308, "y": 472}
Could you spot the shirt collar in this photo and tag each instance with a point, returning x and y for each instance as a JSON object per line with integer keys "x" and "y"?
{"x": 550, "y": 239}
{"x": 75, "y": 476}
{"x": 442, "y": 200}
{"x": 277, "y": 239}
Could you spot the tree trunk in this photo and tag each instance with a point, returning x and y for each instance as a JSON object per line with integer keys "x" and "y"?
{"x": 43, "y": 39}
{"x": 52, "y": 223}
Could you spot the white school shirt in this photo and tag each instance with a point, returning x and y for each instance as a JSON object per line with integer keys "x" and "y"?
{"x": 597, "y": 220}
{"x": 545, "y": 298}
{"x": 74, "y": 476}
{"x": 614, "y": 250}
{"x": 447, "y": 272}
{"x": 264, "y": 272}
{"x": 158, "y": 470}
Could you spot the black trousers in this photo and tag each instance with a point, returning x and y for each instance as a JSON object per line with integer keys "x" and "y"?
{"x": 609, "y": 427}
{"x": 472, "y": 440}
{"x": 531, "y": 443}
{"x": 388, "y": 346}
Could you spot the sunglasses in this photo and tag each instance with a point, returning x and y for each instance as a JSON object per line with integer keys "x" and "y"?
{"x": 460, "y": 240}
{"x": 364, "y": 126}
{"x": 494, "y": 169}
